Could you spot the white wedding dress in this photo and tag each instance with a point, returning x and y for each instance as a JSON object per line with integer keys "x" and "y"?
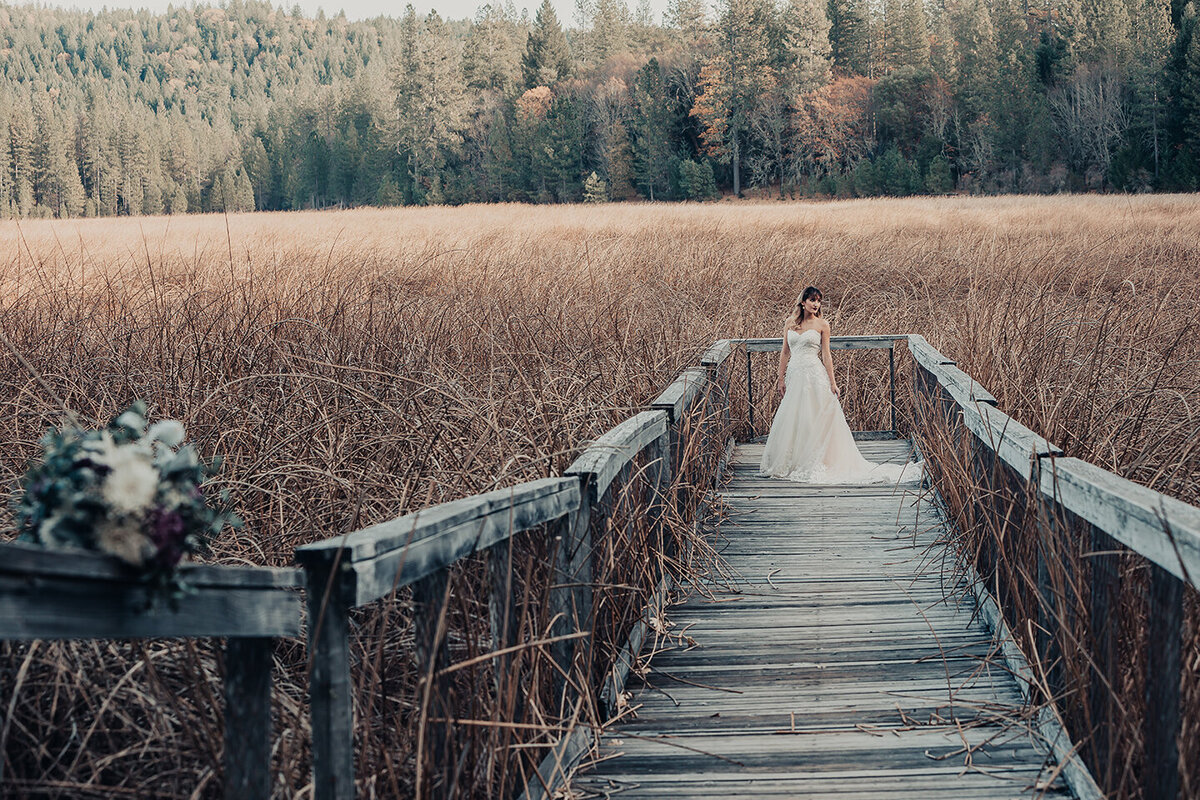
{"x": 810, "y": 440}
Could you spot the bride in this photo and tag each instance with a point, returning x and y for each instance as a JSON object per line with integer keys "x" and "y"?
{"x": 810, "y": 440}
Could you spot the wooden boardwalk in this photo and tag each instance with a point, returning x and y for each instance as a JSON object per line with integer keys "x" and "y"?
{"x": 828, "y": 663}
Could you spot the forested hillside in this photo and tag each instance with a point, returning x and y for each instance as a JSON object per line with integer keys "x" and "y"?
{"x": 247, "y": 106}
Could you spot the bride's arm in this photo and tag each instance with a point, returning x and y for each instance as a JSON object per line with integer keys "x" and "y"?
{"x": 785, "y": 354}
{"x": 827, "y": 358}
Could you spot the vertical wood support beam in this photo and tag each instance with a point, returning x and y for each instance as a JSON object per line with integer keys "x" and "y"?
{"x": 247, "y": 757}
{"x": 1050, "y": 610}
{"x": 750, "y": 392}
{"x": 1104, "y": 605}
{"x": 659, "y": 454}
{"x": 429, "y": 609}
{"x": 1163, "y": 673}
{"x": 562, "y": 600}
{"x": 892, "y": 380}
{"x": 331, "y": 704}
{"x": 504, "y": 622}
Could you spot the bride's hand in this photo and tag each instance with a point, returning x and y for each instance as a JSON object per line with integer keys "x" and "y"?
{"x": 836, "y": 391}
{"x": 779, "y": 386}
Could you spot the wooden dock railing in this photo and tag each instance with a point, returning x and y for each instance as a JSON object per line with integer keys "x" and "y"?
{"x": 646, "y": 477}
{"x": 48, "y": 594}
{"x": 1077, "y": 559}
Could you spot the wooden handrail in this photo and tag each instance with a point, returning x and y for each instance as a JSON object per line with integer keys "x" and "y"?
{"x": 1114, "y": 511}
{"x": 1156, "y": 526}
{"x": 375, "y": 561}
{"x": 605, "y": 457}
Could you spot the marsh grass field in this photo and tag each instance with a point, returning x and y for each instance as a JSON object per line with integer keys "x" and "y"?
{"x": 351, "y": 366}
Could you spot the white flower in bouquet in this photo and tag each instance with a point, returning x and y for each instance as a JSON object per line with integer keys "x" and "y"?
{"x": 129, "y": 488}
{"x": 168, "y": 431}
{"x": 126, "y": 541}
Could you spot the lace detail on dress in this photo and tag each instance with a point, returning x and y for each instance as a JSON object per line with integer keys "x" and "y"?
{"x": 810, "y": 440}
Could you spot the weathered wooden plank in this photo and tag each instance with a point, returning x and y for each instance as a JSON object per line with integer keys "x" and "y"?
{"x": 1014, "y": 443}
{"x": 926, "y": 354}
{"x": 31, "y": 560}
{"x": 679, "y": 396}
{"x": 1161, "y": 528}
{"x": 378, "y": 571}
{"x": 247, "y": 756}
{"x": 716, "y": 355}
{"x": 1103, "y": 601}
{"x": 396, "y": 534}
{"x": 53, "y": 607}
{"x": 604, "y": 458}
{"x": 503, "y": 620}
{"x": 557, "y": 765}
{"x": 430, "y": 594}
{"x": 964, "y": 385}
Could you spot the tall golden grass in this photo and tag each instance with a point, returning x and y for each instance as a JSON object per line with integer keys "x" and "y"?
{"x": 352, "y": 366}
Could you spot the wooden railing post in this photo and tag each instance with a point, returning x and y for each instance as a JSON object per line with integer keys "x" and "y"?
{"x": 1164, "y": 667}
{"x": 329, "y": 686}
{"x": 659, "y": 454}
{"x": 1104, "y": 605}
{"x": 248, "y": 717}
{"x": 502, "y": 616}
{"x": 892, "y": 381}
{"x": 429, "y": 610}
{"x": 570, "y": 592}
{"x": 750, "y": 392}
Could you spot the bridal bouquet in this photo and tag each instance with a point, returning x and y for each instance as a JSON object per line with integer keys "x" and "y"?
{"x": 132, "y": 491}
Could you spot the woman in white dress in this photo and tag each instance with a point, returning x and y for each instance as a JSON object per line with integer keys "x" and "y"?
{"x": 810, "y": 440}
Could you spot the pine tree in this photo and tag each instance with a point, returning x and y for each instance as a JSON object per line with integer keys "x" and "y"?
{"x": 432, "y": 104}
{"x": 6, "y": 188}
{"x": 20, "y": 130}
{"x": 1189, "y": 91}
{"x": 943, "y": 52}
{"x": 805, "y": 46}
{"x": 1015, "y": 95}
{"x": 736, "y": 75}
{"x": 610, "y": 29}
{"x": 905, "y": 35}
{"x": 1107, "y": 33}
{"x": 650, "y": 129}
{"x": 977, "y": 67}
{"x": 610, "y": 136}
{"x": 687, "y": 19}
{"x": 595, "y": 190}
{"x": 547, "y": 55}
{"x": 491, "y": 51}
{"x": 57, "y": 186}
{"x": 242, "y": 191}
{"x": 849, "y": 36}
{"x": 1152, "y": 32}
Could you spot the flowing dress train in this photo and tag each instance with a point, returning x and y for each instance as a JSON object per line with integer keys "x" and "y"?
{"x": 810, "y": 440}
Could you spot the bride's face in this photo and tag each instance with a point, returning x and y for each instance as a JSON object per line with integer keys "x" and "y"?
{"x": 812, "y": 305}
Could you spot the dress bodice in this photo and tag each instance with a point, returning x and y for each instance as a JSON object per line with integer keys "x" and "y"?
{"x": 805, "y": 343}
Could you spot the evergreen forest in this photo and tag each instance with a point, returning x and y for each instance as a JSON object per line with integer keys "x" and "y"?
{"x": 247, "y": 106}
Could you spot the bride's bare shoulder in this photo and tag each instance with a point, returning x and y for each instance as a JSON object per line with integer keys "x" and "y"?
{"x": 822, "y": 325}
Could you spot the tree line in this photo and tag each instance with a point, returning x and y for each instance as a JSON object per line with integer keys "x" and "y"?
{"x": 246, "y": 106}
